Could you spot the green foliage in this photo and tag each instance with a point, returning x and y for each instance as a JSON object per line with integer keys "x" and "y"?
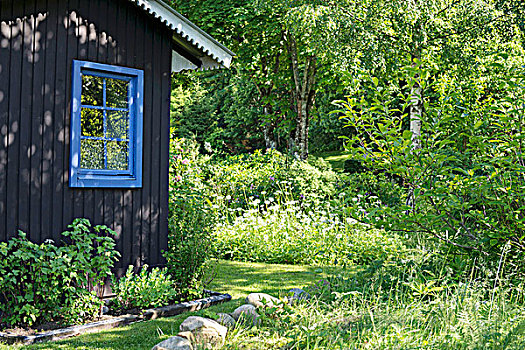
{"x": 253, "y": 105}
{"x": 190, "y": 221}
{"x": 40, "y": 282}
{"x": 84, "y": 305}
{"x": 425, "y": 316}
{"x": 466, "y": 182}
{"x": 235, "y": 179}
{"x": 286, "y": 233}
{"x": 143, "y": 290}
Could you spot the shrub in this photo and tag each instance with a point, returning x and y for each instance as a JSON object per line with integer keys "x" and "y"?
{"x": 286, "y": 233}
{"x": 190, "y": 220}
{"x": 84, "y": 305}
{"x": 465, "y": 184}
{"x": 189, "y": 244}
{"x": 237, "y": 178}
{"x": 143, "y": 290}
{"x": 40, "y": 282}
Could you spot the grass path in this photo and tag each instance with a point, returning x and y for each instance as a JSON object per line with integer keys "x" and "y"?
{"x": 235, "y": 278}
{"x": 335, "y": 158}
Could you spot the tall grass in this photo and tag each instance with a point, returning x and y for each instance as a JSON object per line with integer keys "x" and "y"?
{"x": 394, "y": 307}
{"x": 283, "y": 230}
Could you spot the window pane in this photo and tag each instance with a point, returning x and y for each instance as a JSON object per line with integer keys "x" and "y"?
{"x": 117, "y": 125}
{"x": 92, "y": 90}
{"x": 92, "y": 154}
{"x": 117, "y": 155}
{"x": 116, "y": 93}
{"x": 92, "y": 122}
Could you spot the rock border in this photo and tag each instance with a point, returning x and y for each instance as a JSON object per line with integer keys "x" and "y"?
{"x": 149, "y": 314}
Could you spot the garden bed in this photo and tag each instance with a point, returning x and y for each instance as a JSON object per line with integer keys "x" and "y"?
{"x": 112, "y": 322}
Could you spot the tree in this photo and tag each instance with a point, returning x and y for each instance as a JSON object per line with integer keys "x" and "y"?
{"x": 452, "y": 36}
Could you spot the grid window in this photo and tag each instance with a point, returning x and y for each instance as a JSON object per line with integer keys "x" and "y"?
{"x": 106, "y": 124}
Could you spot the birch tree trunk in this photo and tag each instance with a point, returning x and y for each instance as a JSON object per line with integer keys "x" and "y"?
{"x": 304, "y": 93}
{"x": 267, "y": 130}
{"x": 416, "y": 111}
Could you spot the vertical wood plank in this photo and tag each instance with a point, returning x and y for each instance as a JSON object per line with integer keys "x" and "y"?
{"x": 35, "y": 200}
{"x": 25, "y": 129}
{"x": 138, "y": 62}
{"x": 87, "y": 50}
{"x": 126, "y": 196}
{"x": 124, "y": 232}
{"x": 109, "y": 198}
{"x": 73, "y": 196}
{"x": 147, "y": 144}
{"x": 5, "y": 58}
{"x": 15, "y": 71}
{"x": 102, "y": 6}
{"x": 156, "y": 119}
{"x": 164, "y": 153}
{"x": 49, "y": 118}
{"x": 69, "y": 203}
{"x": 59, "y": 115}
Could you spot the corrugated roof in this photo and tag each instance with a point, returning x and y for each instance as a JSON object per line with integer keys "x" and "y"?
{"x": 193, "y": 35}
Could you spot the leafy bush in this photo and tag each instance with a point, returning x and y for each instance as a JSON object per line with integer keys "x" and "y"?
{"x": 143, "y": 290}
{"x": 286, "y": 233}
{"x": 189, "y": 248}
{"x": 40, "y": 282}
{"x": 190, "y": 220}
{"x": 237, "y": 178}
{"x": 465, "y": 184}
{"x": 84, "y": 305}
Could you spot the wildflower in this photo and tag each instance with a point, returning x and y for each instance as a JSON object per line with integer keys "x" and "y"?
{"x": 272, "y": 178}
{"x": 178, "y": 178}
{"x": 185, "y": 161}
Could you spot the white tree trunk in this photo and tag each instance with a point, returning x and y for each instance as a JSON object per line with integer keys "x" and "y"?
{"x": 268, "y": 141}
{"x": 416, "y": 111}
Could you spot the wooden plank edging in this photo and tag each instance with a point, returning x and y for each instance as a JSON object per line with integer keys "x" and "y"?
{"x": 149, "y": 314}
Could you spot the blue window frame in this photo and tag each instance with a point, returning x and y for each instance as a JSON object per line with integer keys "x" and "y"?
{"x": 106, "y": 126}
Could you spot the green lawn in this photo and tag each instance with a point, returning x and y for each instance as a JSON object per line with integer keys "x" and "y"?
{"x": 235, "y": 278}
{"x": 335, "y": 158}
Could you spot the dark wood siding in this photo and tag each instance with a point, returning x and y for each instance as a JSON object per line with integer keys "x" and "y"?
{"x": 39, "y": 39}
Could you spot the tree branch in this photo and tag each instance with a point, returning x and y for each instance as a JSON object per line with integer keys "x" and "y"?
{"x": 466, "y": 30}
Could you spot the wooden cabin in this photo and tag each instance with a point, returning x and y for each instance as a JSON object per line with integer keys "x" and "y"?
{"x": 84, "y": 116}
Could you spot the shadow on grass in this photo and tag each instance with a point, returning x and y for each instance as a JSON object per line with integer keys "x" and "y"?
{"x": 236, "y": 278}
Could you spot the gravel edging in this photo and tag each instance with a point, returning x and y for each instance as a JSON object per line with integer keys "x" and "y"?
{"x": 149, "y": 314}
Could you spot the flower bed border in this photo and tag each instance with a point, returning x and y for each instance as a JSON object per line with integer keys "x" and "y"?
{"x": 149, "y": 314}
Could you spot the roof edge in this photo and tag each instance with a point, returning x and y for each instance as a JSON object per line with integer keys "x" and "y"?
{"x": 187, "y": 30}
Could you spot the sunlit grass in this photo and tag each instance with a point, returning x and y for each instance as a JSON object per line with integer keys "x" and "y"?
{"x": 335, "y": 158}
{"x": 236, "y": 278}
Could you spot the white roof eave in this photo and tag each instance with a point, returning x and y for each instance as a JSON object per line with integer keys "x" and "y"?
{"x": 188, "y": 31}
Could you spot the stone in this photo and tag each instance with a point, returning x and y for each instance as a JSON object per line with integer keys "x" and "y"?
{"x": 262, "y": 300}
{"x": 187, "y": 335}
{"x": 174, "y": 343}
{"x": 247, "y": 312}
{"x": 207, "y": 333}
{"x": 226, "y": 320}
{"x": 105, "y": 310}
{"x": 297, "y": 294}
